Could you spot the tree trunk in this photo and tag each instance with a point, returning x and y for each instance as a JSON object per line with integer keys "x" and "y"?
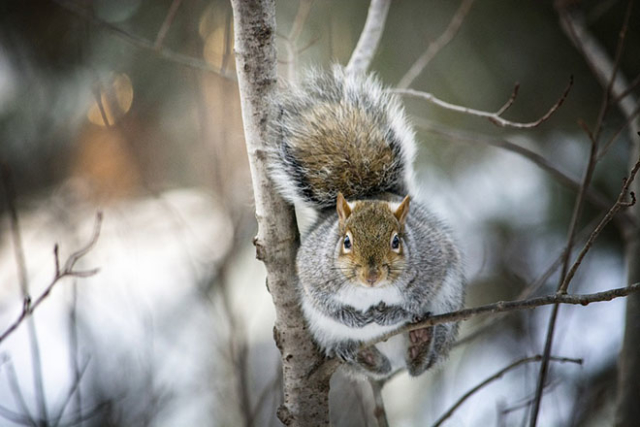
{"x": 306, "y": 401}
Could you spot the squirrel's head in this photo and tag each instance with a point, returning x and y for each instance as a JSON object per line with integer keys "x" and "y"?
{"x": 372, "y": 242}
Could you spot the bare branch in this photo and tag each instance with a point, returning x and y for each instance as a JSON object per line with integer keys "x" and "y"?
{"x": 304, "y": 8}
{"x": 21, "y": 265}
{"x": 628, "y": 122}
{"x": 597, "y": 59}
{"x": 529, "y": 290}
{"x": 74, "y": 257}
{"x": 379, "y": 412}
{"x": 331, "y": 365}
{"x": 510, "y": 101}
{"x": 15, "y": 417}
{"x": 626, "y": 92}
{"x": 168, "y": 20}
{"x": 68, "y": 271}
{"x": 593, "y": 196}
{"x": 17, "y": 393}
{"x": 494, "y": 377}
{"x": 72, "y": 390}
{"x": 141, "y": 43}
{"x": 370, "y": 38}
{"x": 620, "y": 203}
{"x": 567, "y": 275}
{"x": 494, "y": 118}
{"x": 437, "y": 45}
{"x": 506, "y": 306}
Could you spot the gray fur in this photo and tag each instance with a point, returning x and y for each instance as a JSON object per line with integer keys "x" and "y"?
{"x": 429, "y": 282}
{"x": 363, "y": 92}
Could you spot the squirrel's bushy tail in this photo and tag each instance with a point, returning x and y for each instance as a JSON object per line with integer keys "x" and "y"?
{"x": 337, "y": 132}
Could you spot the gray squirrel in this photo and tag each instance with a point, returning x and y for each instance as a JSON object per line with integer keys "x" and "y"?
{"x": 374, "y": 259}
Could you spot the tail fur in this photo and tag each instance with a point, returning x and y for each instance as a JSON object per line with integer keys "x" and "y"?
{"x": 337, "y": 132}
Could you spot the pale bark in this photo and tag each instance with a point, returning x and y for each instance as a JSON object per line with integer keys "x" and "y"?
{"x": 305, "y": 398}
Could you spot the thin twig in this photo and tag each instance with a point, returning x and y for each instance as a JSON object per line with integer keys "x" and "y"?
{"x": 579, "y": 205}
{"x": 166, "y": 24}
{"x": 630, "y": 88}
{"x": 67, "y": 271}
{"x": 495, "y": 117}
{"x": 72, "y": 390}
{"x": 370, "y": 37}
{"x": 494, "y": 377}
{"x": 291, "y": 40}
{"x": 598, "y": 199}
{"x": 505, "y": 306}
{"x": 496, "y": 307}
{"x": 437, "y": 45}
{"x": 605, "y": 148}
{"x": 142, "y": 43}
{"x": 529, "y": 290}
{"x": 549, "y": 386}
{"x": 379, "y": 412}
{"x": 510, "y": 101}
{"x": 15, "y": 417}
{"x": 596, "y": 58}
{"x": 17, "y": 392}
{"x": 227, "y": 56}
{"x": 620, "y": 203}
{"x": 36, "y": 361}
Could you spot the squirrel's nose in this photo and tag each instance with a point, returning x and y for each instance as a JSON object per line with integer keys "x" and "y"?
{"x": 372, "y": 277}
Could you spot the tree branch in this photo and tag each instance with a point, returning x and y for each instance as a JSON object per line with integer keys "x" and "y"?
{"x": 67, "y": 271}
{"x": 437, "y": 45}
{"x": 495, "y": 117}
{"x": 494, "y": 377}
{"x": 304, "y": 8}
{"x": 379, "y": 411}
{"x": 141, "y": 43}
{"x": 611, "y": 76}
{"x": 596, "y": 198}
{"x": 506, "y": 306}
{"x": 370, "y": 37}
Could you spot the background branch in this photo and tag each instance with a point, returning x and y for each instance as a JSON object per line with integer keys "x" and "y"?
{"x": 495, "y": 117}
{"x": 67, "y": 271}
{"x": 370, "y": 37}
{"x": 437, "y": 45}
{"x": 141, "y": 43}
{"x": 506, "y": 306}
{"x": 494, "y": 377}
{"x": 596, "y": 198}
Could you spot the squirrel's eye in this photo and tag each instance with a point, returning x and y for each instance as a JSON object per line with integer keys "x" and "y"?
{"x": 395, "y": 243}
{"x": 346, "y": 243}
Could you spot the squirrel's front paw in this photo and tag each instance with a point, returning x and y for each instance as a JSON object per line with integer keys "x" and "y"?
{"x": 417, "y": 318}
{"x": 384, "y": 314}
{"x": 347, "y": 351}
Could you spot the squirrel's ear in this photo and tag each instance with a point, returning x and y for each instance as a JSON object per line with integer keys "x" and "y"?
{"x": 403, "y": 210}
{"x": 343, "y": 208}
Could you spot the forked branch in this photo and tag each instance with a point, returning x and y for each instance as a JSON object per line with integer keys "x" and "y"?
{"x": 494, "y": 117}
{"x": 494, "y": 377}
{"x": 68, "y": 270}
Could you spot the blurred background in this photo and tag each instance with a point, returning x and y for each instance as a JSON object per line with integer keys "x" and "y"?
{"x": 130, "y": 108}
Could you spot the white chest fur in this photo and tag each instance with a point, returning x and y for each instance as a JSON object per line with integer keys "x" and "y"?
{"x": 327, "y": 331}
{"x": 362, "y": 298}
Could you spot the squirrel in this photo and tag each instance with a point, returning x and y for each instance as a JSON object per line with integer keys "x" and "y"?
{"x": 374, "y": 259}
